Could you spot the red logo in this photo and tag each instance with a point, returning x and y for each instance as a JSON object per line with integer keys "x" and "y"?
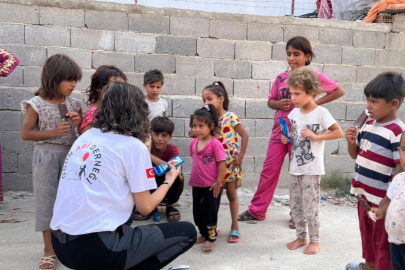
{"x": 150, "y": 173}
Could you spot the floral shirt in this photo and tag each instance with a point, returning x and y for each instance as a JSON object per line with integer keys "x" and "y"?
{"x": 88, "y": 117}
{"x": 395, "y": 217}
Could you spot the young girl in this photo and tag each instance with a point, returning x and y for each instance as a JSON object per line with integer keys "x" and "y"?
{"x": 299, "y": 54}
{"x": 310, "y": 125}
{"x": 229, "y": 127}
{"x": 53, "y": 136}
{"x": 103, "y": 76}
{"x": 207, "y": 174}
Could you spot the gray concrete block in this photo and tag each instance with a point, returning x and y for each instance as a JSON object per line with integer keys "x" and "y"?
{"x": 11, "y": 121}
{"x": 183, "y": 144}
{"x": 265, "y": 32}
{"x": 14, "y": 79}
{"x": 331, "y": 148}
{"x": 251, "y": 88}
{"x": 10, "y": 163}
{"x": 106, "y": 20}
{"x": 12, "y": 97}
{"x": 186, "y": 167}
{"x": 340, "y": 73}
{"x": 178, "y": 85}
{"x": 183, "y": 107}
{"x": 346, "y": 124}
{"x": 395, "y": 41}
{"x": 92, "y": 39}
{"x": 82, "y": 57}
{"x": 47, "y": 35}
{"x": 250, "y": 126}
{"x": 264, "y": 127}
{"x": 133, "y": 42}
{"x": 11, "y": 142}
{"x": 148, "y": 23}
{"x": 17, "y": 182}
{"x": 201, "y": 83}
{"x": 249, "y": 181}
{"x": 279, "y": 52}
{"x": 341, "y": 37}
{"x": 25, "y": 162}
{"x": 267, "y": 70}
{"x": 358, "y": 57}
{"x": 32, "y": 76}
{"x": 253, "y": 50}
{"x": 258, "y": 109}
{"x": 176, "y": 45}
{"x": 194, "y": 66}
{"x": 337, "y": 109}
{"x": 248, "y": 166}
{"x": 215, "y": 48}
{"x": 366, "y": 74}
{"x": 343, "y": 150}
{"x": 184, "y": 26}
{"x": 61, "y": 17}
{"x": 123, "y": 61}
{"x": 28, "y": 55}
{"x": 11, "y": 33}
{"x": 228, "y": 30}
{"x": 398, "y": 26}
{"x": 85, "y": 82}
{"x": 169, "y": 99}
{"x": 401, "y": 112}
{"x": 238, "y": 106}
{"x": 353, "y": 91}
{"x": 310, "y": 32}
{"x": 136, "y": 79}
{"x": 178, "y": 126}
{"x": 257, "y": 146}
{"x": 354, "y": 110}
{"x": 369, "y": 39}
{"x": 82, "y": 97}
{"x": 146, "y": 62}
{"x": 235, "y": 69}
{"x": 389, "y": 58}
{"x": 400, "y": 17}
{"x": 327, "y": 54}
{"x": 339, "y": 163}
{"x": 19, "y": 13}
{"x": 317, "y": 67}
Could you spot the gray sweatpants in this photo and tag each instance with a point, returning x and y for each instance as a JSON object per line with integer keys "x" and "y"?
{"x": 47, "y": 165}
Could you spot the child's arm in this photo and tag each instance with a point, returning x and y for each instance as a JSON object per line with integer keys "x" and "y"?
{"x": 381, "y": 211}
{"x": 335, "y": 133}
{"x": 245, "y": 140}
{"x": 283, "y": 104}
{"x": 284, "y": 139}
{"x": 156, "y": 160}
{"x": 28, "y": 131}
{"x": 216, "y": 187}
{"x": 331, "y": 97}
{"x": 351, "y": 137}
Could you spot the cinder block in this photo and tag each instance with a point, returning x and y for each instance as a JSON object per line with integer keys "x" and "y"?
{"x": 331, "y": 148}
{"x": 11, "y": 142}
{"x": 238, "y": 106}
{"x": 235, "y": 69}
{"x": 133, "y": 42}
{"x": 28, "y": 55}
{"x": 264, "y": 127}
{"x": 12, "y": 13}
{"x": 169, "y": 99}
{"x": 10, "y": 163}
{"x": 148, "y": 23}
{"x": 178, "y": 126}
{"x": 248, "y": 166}
{"x": 215, "y": 48}
{"x": 401, "y": 112}
{"x": 366, "y": 74}
{"x": 257, "y": 146}
{"x": 228, "y": 30}
{"x": 258, "y": 109}
{"x": 343, "y": 150}
{"x": 14, "y": 79}
{"x": 194, "y": 66}
{"x": 25, "y": 162}
{"x": 92, "y": 39}
{"x": 327, "y": 54}
{"x": 395, "y": 41}
{"x": 340, "y": 73}
{"x": 251, "y": 88}
{"x": 184, "y": 26}
{"x": 85, "y": 82}
{"x": 32, "y": 76}
{"x": 253, "y": 50}
{"x": 250, "y": 126}
{"x": 11, "y": 121}
{"x": 82, "y": 57}
{"x": 106, "y": 20}
{"x": 354, "y": 110}
{"x": 358, "y": 57}
{"x": 353, "y": 91}
{"x": 369, "y": 39}
{"x": 317, "y": 67}
{"x": 183, "y": 144}
{"x": 265, "y": 32}
{"x": 183, "y": 107}
{"x": 345, "y": 124}
{"x": 249, "y": 184}
{"x": 339, "y": 163}
{"x": 178, "y": 85}
{"x": 17, "y": 182}
{"x": 176, "y": 45}
{"x": 400, "y": 17}
{"x": 82, "y": 97}
{"x": 136, "y": 79}
{"x": 61, "y": 17}
{"x": 146, "y": 62}
{"x": 47, "y": 35}
{"x": 398, "y": 26}
{"x": 389, "y": 58}
{"x": 123, "y": 61}
{"x": 337, "y": 109}
{"x": 201, "y": 83}
{"x": 341, "y": 37}
{"x": 12, "y": 97}
{"x": 267, "y": 70}
{"x": 279, "y": 52}
{"x": 310, "y": 32}
{"x": 11, "y": 33}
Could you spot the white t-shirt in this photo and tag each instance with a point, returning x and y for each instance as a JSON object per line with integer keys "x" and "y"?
{"x": 101, "y": 172}
{"x": 307, "y": 155}
{"x": 395, "y": 217}
{"x": 158, "y": 108}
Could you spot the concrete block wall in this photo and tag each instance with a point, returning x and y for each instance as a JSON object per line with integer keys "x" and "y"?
{"x": 192, "y": 49}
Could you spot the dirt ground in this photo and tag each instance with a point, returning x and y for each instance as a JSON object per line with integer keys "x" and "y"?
{"x": 262, "y": 245}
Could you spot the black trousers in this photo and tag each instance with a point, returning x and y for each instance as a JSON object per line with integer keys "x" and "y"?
{"x": 174, "y": 193}
{"x": 146, "y": 247}
{"x": 205, "y": 212}
{"x": 397, "y": 256}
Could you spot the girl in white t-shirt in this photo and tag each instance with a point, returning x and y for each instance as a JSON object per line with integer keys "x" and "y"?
{"x": 310, "y": 124}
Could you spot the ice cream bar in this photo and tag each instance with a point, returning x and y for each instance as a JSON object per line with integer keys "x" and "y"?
{"x": 164, "y": 168}
{"x": 284, "y": 128}
{"x": 361, "y": 120}
{"x": 63, "y": 111}
{"x": 366, "y": 206}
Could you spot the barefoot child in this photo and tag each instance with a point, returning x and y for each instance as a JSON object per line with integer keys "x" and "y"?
{"x": 310, "y": 124}
{"x": 53, "y": 138}
{"x": 207, "y": 174}
{"x": 229, "y": 127}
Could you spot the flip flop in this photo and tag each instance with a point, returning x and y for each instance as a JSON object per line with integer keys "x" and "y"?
{"x": 354, "y": 266}
{"x": 172, "y": 214}
{"x": 139, "y": 216}
{"x": 245, "y": 216}
{"x": 233, "y": 233}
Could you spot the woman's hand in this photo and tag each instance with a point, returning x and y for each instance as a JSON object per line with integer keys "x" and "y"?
{"x": 75, "y": 118}
{"x": 284, "y": 139}
{"x": 306, "y": 133}
{"x": 173, "y": 173}
{"x": 216, "y": 188}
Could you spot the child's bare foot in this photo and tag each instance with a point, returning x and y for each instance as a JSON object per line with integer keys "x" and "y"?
{"x": 200, "y": 240}
{"x": 312, "y": 248}
{"x": 208, "y": 246}
{"x": 299, "y": 242}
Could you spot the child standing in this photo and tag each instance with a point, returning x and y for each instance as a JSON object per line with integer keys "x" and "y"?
{"x": 310, "y": 124}
{"x": 207, "y": 174}
{"x": 153, "y": 82}
{"x": 103, "y": 76}
{"x": 375, "y": 148}
{"x": 229, "y": 127}
{"x": 53, "y": 138}
{"x": 299, "y": 54}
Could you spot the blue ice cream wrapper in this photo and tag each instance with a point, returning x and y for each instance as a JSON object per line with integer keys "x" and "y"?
{"x": 164, "y": 168}
{"x": 284, "y": 129}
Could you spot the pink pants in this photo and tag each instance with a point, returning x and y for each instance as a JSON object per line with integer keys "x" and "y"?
{"x": 273, "y": 162}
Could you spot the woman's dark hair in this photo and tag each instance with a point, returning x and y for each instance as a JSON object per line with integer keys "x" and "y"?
{"x": 218, "y": 88}
{"x": 208, "y": 114}
{"x": 57, "y": 68}
{"x": 302, "y": 44}
{"x": 388, "y": 85}
{"x": 161, "y": 124}
{"x": 123, "y": 110}
{"x": 101, "y": 78}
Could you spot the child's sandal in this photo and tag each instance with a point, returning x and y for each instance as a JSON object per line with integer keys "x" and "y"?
{"x": 47, "y": 260}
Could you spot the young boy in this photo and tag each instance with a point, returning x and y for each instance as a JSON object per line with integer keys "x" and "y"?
{"x": 374, "y": 146}
{"x": 153, "y": 83}
{"x": 392, "y": 208}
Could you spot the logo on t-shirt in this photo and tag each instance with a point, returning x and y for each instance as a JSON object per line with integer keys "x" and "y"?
{"x": 301, "y": 148}
{"x": 284, "y": 93}
{"x": 208, "y": 158}
{"x": 150, "y": 173}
